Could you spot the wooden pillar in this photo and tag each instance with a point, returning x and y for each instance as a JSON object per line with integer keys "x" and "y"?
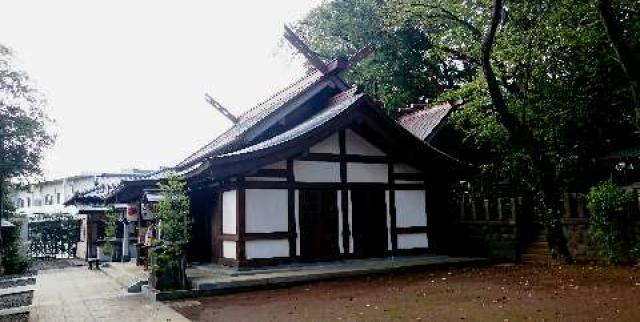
{"x": 344, "y": 192}
{"x": 291, "y": 203}
{"x": 392, "y": 207}
{"x": 240, "y": 223}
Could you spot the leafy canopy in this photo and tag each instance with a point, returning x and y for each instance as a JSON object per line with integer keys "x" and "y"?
{"x": 554, "y": 65}
{"x": 23, "y": 123}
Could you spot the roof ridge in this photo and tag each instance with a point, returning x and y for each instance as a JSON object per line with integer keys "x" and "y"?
{"x": 288, "y": 87}
{"x": 414, "y": 114}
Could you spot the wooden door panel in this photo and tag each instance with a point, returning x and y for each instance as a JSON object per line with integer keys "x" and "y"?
{"x": 369, "y": 219}
{"x": 318, "y": 215}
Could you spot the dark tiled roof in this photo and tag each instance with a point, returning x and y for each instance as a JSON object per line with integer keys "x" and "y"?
{"x": 336, "y": 106}
{"x": 96, "y": 193}
{"x": 422, "y": 123}
{"x": 253, "y": 116}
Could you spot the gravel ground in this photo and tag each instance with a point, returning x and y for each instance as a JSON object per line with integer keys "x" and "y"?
{"x": 496, "y": 293}
{"x": 18, "y": 317}
{"x": 16, "y": 283}
{"x": 16, "y": 300}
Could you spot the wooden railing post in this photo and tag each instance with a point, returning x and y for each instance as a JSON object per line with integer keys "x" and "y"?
{"x": 462, "y": 206}
{"x": 485, "y": 205}
{"x": 474, "y": 215}
{"x": 512, "y": 220}
{"x": 580, "y": 206}
{"x": 567, "y": 205}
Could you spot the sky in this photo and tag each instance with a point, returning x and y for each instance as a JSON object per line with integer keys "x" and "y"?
{"x": 125, "y": 80}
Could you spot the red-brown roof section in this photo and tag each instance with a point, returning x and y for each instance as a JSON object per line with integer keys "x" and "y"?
{"x": 424, "y": 123}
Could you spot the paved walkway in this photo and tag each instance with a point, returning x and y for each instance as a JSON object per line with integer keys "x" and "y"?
{"x": 79, "y": 294}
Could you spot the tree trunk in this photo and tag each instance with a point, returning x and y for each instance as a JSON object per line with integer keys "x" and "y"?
{"x": 522, "y": 138}
{"x": 629, "y": 60}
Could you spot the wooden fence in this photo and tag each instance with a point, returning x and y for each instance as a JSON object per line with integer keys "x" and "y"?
{"x": 493, "y": 221}
{"x": 489, "y": 211}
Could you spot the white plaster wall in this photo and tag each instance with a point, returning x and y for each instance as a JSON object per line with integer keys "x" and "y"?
{"x": 410, "y": 208}
{"x": 266, "y": 210}
{"x": 404, "y": 168}
{"x": 267, "y": 248}
{"x": 367, "y": 172}
{"x": 355, "y": 144}
{"x": 229, "y": 249}
{"x": 316, "y": 171}
{"x": 328, "y": 145}
{"x": 408, "y": 241}
{"x": 278, "y": 165}
{"x": 229, "y": 205}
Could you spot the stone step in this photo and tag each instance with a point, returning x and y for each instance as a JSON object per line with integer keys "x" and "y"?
{"x": 16, "y": 310}
{"x": 131, "y": 280}
{"x": 535, "y": 258}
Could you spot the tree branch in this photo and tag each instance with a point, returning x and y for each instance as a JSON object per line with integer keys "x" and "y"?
{"x": 629, "y": 62}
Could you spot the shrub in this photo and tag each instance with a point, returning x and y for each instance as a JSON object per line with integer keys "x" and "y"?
{"x": 611, "y": 223}
{"x": 14, "y": 259}
{"x": 110, "y": 225}
{"x": 172, "y": 212}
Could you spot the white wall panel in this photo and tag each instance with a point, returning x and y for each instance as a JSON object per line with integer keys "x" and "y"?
{"x": 316, "y": 171}
{"x": 410, "y": 208}
{"x": 229, "y": 249}
{"x": 367, "y": 172}
{"x": 355, "y": 144}
{"x": 266, "y": 210}
{"x": 404, "y": 168}
{"x": 278, "y": 165}
{"x": 328, "y": 145}
{"x": 229, "y": 205}
{"x": 408, "y": 241}
{"x": 267, "y": 248}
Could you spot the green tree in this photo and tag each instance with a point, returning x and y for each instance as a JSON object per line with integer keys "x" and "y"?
{"x": 23, "y": 131}
{"x": 406, "y": 67}
{"x": 544, "y": 93}
{"x": 174, "y": 217}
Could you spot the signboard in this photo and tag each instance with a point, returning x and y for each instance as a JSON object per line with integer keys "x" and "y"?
{"x": 148, "y": 210}
{"x": 132, "y": 212}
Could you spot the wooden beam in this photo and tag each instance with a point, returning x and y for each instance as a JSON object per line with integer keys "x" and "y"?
{"x": 302, "y": 48}
{"x": 359, "y": 56}
{"x": 220, "y": 108}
